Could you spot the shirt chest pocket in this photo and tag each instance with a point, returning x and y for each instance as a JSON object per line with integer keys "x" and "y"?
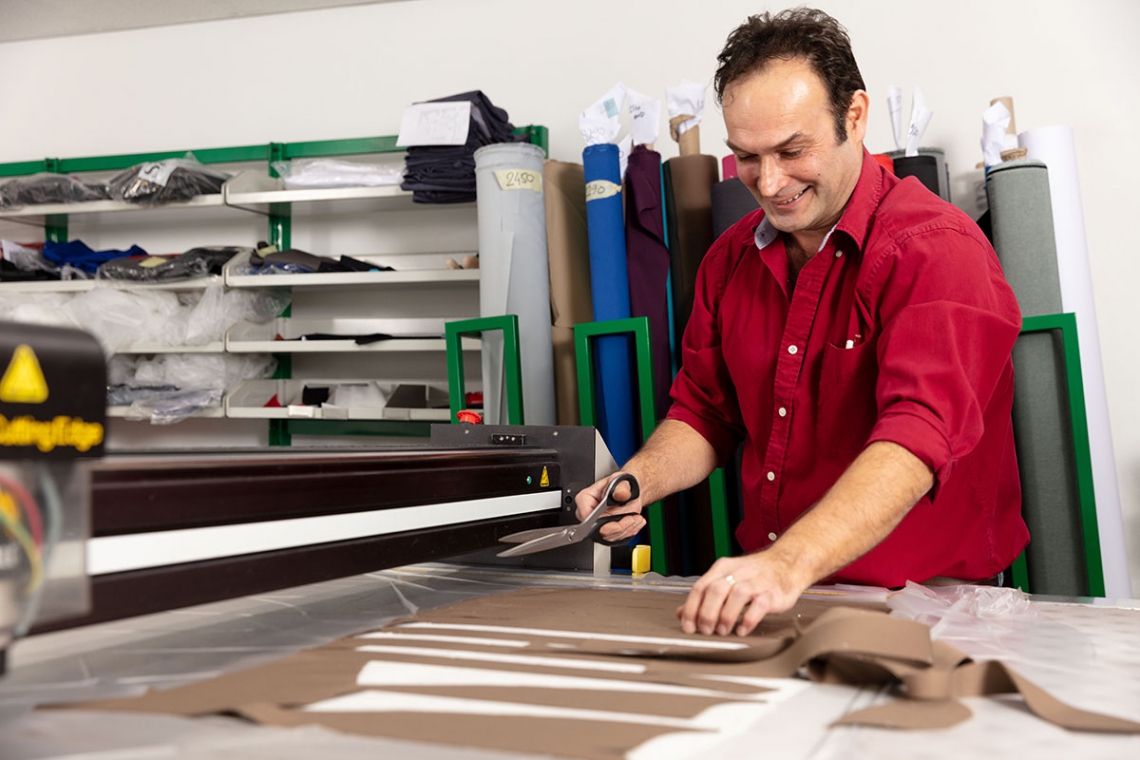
{"x": 847, "y": 404}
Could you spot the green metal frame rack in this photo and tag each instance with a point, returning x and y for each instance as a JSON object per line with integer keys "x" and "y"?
{"x": 512, "y": 361}
{"x": 1066, "y": 326}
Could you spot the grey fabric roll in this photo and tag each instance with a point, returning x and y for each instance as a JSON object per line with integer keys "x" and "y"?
{"x": 514, "y": 275}
{"x": 1049, "y": 496}
{"x": 1021, "y": 217}
{"x": 731, "y": 202}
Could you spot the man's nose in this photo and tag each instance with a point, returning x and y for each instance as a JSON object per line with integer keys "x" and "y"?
{"x": 770, "y": 178}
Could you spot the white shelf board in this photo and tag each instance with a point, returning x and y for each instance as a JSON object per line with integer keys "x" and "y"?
{"x": 353, "y": 279}
{"x": 212, "y": 412}
{"x": 82, "y": 286}
{"x": 214, "y": 347}
{"x": 420, "y": 335}
{"x": 248, "y": 398}
{"x": 352, "y": 199}
{"x": 36, "y": 214}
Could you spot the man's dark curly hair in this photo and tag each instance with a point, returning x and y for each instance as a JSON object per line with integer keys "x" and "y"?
{"x": 804, "y": 33}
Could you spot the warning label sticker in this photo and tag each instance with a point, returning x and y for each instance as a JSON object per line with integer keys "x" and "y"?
{"x": 23, "y": 381}
{"x": 60, "y": 432}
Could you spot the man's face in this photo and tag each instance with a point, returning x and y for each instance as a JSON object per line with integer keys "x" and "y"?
{"x": 781, "y": 128}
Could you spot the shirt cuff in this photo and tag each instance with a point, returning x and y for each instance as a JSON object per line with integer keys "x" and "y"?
{"x": 723, "y": 441}
{"x": 918, "y": 433}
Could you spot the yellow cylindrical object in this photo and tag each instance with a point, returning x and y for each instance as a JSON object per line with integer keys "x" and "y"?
{"x": 640, "y": 562}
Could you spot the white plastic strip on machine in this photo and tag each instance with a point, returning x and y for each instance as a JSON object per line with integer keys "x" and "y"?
{"x": 116, "y": 554}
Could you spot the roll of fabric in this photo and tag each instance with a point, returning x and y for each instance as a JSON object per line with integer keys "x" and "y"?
{"x": 648, "y": 260}
{"x": 609, "y": 286}
{"x": 731, "y": 202}
{"x": 922, "y": 168}
{"x": 568, "y": 248}
{"x": 1056, "y": 147}
{"x": 514, "y": 275}
{"x": 1021, "y": 221}
{"x": 942, "y": 171}
{"x": 688, "y": 197}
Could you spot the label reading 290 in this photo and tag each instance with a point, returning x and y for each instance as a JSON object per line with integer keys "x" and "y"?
{"x": 519, "y": 179}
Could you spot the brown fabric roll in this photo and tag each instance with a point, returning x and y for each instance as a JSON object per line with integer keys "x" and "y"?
{"x": 569, "y": 256}
{"x": 688, "y": 194}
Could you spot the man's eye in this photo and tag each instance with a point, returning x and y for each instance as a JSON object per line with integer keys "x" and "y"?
{"x": 791, "y": 153}
{"x": 747, "y": 158}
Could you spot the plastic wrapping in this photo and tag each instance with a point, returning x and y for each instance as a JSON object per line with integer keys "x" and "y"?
{"x": 42, "y": 188}
{"x": 121, "y": 319}
{"x": 983, "y": 621}
{"x": 196, "y": 262}
{"x": 172, "y": 387}
{"x": 175, "y": 179}
{"x": 305, "y": 173}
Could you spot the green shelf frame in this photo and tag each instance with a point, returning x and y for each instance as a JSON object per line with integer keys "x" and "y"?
{"x": 584, "y": 334}
{"x": 512, "y": 361}
{"x": 1066, "y": 325}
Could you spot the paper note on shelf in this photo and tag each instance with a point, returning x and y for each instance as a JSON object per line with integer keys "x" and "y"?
{"x": 434, "y": 124}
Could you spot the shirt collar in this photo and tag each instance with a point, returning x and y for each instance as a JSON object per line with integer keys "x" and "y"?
{"x": 856, "y": 217}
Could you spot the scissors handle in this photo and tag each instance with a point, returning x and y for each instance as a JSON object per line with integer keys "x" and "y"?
{"x": 596, "y": 520}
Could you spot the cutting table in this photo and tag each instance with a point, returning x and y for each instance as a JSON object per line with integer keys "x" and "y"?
{"x": 1084, "y": 652}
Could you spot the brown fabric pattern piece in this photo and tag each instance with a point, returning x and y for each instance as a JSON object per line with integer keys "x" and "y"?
{"x": 827, "y": 643}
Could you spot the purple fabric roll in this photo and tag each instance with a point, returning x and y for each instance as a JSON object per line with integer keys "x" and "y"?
{"x": 648, "y": 261}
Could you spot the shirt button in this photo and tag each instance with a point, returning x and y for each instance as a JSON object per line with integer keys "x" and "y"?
{"x": 792, "y": 349}
{"x": 783, "y": 412}
{"x": 771, "y": 536}
{"x": 771, "y": 476}
{"x": 838, "y": 254}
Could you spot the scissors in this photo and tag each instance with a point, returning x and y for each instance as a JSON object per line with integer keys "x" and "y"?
{"x": 541, "y": 539}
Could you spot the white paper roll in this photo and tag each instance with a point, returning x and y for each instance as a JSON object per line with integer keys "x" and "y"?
{"x": 514, "y": 275}
{"x": 1055, "y": 146}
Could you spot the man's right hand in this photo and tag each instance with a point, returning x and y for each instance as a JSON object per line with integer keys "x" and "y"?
{"x": 588, "y": 498}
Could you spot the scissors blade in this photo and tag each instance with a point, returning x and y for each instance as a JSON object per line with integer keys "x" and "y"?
{"x": 528, "y": 535}
{"x": 540, "y": 544}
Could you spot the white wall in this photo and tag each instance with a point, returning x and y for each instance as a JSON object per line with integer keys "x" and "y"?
{"x": 348, "y": 72}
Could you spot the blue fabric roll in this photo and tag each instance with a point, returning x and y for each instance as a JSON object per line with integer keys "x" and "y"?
{"x": 609, "y": 285}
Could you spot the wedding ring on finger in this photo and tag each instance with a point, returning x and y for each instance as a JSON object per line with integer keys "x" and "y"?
{"x": 729, "y": 579}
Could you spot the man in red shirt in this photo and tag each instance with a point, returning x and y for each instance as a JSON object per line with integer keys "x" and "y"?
{"x": 855, "y": 333}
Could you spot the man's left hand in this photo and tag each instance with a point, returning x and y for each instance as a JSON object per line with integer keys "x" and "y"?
{"x": 737, "y": 592}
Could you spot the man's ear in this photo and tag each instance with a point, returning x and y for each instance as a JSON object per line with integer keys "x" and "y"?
{"x": 857, "y": 114}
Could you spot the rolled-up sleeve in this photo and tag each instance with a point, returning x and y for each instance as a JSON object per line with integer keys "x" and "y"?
{"x": 703, "y": 394}
{"x": 949, "y": 321}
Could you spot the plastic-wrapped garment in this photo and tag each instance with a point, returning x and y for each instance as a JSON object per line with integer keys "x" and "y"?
{"x": 197, "y": 262}
{"x": 43, "y": 188}
{"x": 79, "y": 255}
{"x": 175, "y": 179}
{"x": 172, "y": 387}
{"x": 333, "y": 172}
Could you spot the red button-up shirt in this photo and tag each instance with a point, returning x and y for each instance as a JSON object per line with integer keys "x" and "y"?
{"x": 898, "y": 329}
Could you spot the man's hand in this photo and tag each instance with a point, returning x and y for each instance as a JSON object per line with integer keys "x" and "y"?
{"x": 588, "y": 498}
{"x": 752, "y": 586}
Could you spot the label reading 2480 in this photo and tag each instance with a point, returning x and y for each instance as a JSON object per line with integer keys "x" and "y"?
{"x": 519, "y": 179}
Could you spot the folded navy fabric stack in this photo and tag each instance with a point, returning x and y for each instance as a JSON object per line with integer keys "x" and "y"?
{"x": 446, "y": 173}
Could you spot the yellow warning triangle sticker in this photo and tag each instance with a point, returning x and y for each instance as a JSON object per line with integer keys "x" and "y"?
{"x": 23, "y": 381}
{"x": 544, "y": 481}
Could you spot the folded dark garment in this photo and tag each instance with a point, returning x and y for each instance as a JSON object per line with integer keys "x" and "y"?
{"x": 313, "y": 395}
